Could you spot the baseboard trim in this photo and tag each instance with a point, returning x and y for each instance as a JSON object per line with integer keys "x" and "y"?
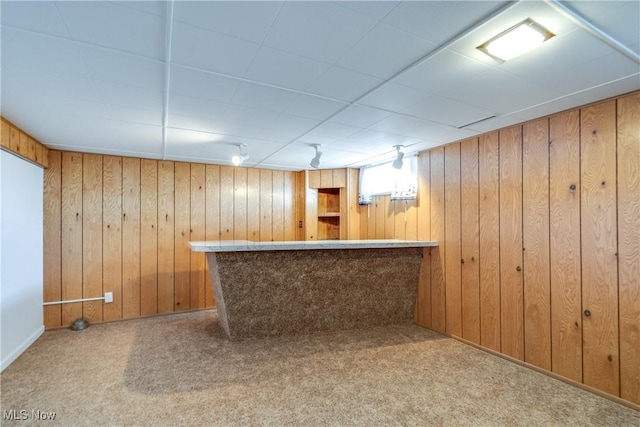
{"x": 21, "y": 349}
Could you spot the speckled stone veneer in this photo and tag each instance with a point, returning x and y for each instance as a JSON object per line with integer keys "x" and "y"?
{"x": 269, "y": 293}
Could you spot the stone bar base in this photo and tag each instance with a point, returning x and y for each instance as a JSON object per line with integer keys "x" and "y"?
{"x": 268, "y": 293}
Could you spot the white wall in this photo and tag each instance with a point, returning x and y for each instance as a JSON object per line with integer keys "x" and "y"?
{"x": 21, "y": 265}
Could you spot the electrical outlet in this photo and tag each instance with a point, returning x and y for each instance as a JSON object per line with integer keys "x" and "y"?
{"x": 108, "y": 297}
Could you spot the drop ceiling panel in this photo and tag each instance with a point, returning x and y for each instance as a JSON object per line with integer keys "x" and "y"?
{"x": 447, "y": 111}
{"x": 313, "y": 107}
{"x": 285, "y": 69}
{"x": 38, "y": 16}
{"x": 190, "y": 122}
{"x": 248, "y": 116}
{"x": 439, "y": 21}
{"x": 393, "y": 97}
{"x": 153, "y": 7}
{"x": 408, "y": 126}
{"x": 135, "y": 115}
{"x": 247, "y": 20}
{"x": 621, "y": 23}
{"x": 261, "y": 96}
{"x": 384, "y": 51}
{"x": 623, "y": 85}
{"x": 130, "y": 96}
{"x": 293, "y": 124}
{"x": 137, "y": 137}
{"x": 335, "y": 29}
{"x": 208, "y": 50}
{"x": 189, "y": 106}
{"x": 111, "y": 25}
{"x": 330, "y": 131}
{"x": 41, "y": 51}
{"x": 360, "y": 116}
{"x": 346, "y": 85}
{"x": 373, "y": 9}
{"x": 201, "y": 84}
{"x": 119, "y": 67}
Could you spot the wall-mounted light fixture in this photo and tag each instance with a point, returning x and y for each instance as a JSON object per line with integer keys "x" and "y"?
{"x": 517, "y": 40}
{"x": 397, "y": 163}
{"x": 238, "y": 159}
{"x": 315, "y": 162}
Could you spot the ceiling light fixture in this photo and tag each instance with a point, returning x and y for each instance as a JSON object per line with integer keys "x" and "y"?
{"x": 397, "y": 163}
{"x": 238, "y": 159}
{"x": 517, "y": 40}
{"x": 315, "y": 162}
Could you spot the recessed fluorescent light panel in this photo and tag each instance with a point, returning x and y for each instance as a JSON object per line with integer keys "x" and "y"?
{"x": 517, "y": 40}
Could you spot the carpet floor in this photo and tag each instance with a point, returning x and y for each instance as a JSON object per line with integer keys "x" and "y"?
{"x": 179, "y": 370}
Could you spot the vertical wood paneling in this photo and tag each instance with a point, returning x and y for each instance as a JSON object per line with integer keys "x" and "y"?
{"x": 564, "y": 244}
{"x": 389, "y": 217}
{"x": 339, "y": 179}
{"x": 424, "y": 233}
{"x": 166, "y": 233}
{"x": 314, "y": 178}
{"x": 599, "y": 247}
{"x": 411, "y": 220}
{"x": 511, "y": 286}
{"x": 112, "y": 235}
{"x": 212, "y": 217}
{"x": 326, "y": 178}
{"x": 226, "y": 203}
{"x": 438, "y": 293}
{"x": 198, "y": 259}
{"x": 92, "y": 236}
{"x": 278, "y": 206}
{"x": 148, "y": 237}
{"x": 14, "y": 139}
{"x": 182, "y": 263}
{"x": 72, "y": 218}
{"x": 52, "y": 202}
{"x": 470, "y": 240}
{"x": 240, "y": 203}
{"x": 6, "y": 134}
{"x": 535, "y": 236}
{"x": 379, "y": 216}
{"x": 289, "y": 207}
{"x": 452, "y": 236}
{"x": 130, "y": 237}
{"x": 628, "y": 132}
{"x": 399, "y": 219}
{"x": 489, "y": 205}
{"x": 300, "y": 200}
{"x": 266, "y": 205}
{"x": 253, "y": 204}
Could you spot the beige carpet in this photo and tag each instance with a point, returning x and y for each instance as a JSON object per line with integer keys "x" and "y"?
{"x": 178, "y": 370}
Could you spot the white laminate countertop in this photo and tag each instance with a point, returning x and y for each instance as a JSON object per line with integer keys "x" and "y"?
{"x": 247, "y": 245}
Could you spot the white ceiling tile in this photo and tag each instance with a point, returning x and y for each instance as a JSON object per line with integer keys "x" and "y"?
{"x": 261, "y": 96}
{"x": 137, "y": 137}
{"x": 248, "y": 20}
{"x": 443, "y": 71}
{"x": 330, "y": 130}
{"x": 408, "y": 126}
{"x": 248, "y": 116}
{"x": 343, "y": 84}
{"x": 593, "y": 9}
{"x": 593, "y": 73}
{"x": 111, "y": 25}
{"x": 297, "y": 156}
{"x": 495, "y": 124}
{"x": 384, "y": 51}
{"x": 134, "y": 115}
{"x": 124, "y": 68}
{"x": 360, "y": 116}
{"x": 546, "y": 108}
{"x": 500, "y": 92}
{"x": 190, "y": 106}
{"x": 38, "y": 16}
{"x": 52, "y": 83}
{"x": 393, "y": 97}
{"x": 621, "y": 23}
{"x": 130, "y": 96}
{"x": 208, "y": 50}
{"x": 294, "y": 124}
{"x": 313, "y": 107}
{"x": 202, "y": 84}
{"x": 447, "y": 111}
{"x": 617, "y": 87}
{"x": 41, "y": 51}
{"x": 319, "y": 30}
{"x": 439, "y": 21}
{"x": 374, "y": 9}
{"x": 285, "y": 69}
{"x": 234, "y": 132}
{"x": 179, "y": 121}
{"x": 149, "y": 6}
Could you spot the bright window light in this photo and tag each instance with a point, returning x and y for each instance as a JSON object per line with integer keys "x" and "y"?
{"x": 517, "y": 40}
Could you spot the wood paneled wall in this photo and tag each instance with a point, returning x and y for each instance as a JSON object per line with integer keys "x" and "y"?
{"x": 13, "y": 139}
{"x": 539, "y": 232}
{"x": 121, "y": 225}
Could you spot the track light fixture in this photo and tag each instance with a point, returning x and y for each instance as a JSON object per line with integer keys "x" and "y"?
{"x": 315, "y": 162}
{"x": 397, "y": 163}
{"x": 238, "y": 159}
